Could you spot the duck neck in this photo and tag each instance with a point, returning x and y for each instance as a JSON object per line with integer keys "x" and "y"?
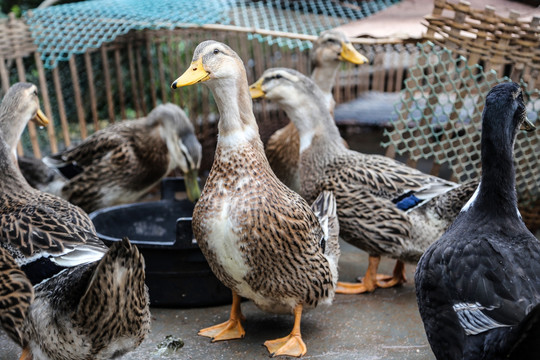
{"x": 10, "y": 172}
{"x": 236, "y": 113}
{"x": 312, "y": 120}
{"x": 11, "y": 134}
{"x": 324, "y": 76}
{"x": 497, "y": 191}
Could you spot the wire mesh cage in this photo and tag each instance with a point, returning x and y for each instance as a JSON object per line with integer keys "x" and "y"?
{"x": 439, "y": 118}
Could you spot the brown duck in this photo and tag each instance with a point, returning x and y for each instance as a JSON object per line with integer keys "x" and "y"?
{"x": 330, "y": 49}
{"x": 384, "y": 207}
{"x": 260, "y": 238}
{"x": 88, "y": 301}
{"x": 121, "y": 163}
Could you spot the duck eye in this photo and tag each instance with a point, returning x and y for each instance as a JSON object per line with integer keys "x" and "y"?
{"x": 278, "y": 76}
{"x": 216, "y": 51}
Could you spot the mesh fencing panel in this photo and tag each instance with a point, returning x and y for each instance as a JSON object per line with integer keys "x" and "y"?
{"x": 64, "y": 30}
{"x": 439, "y": 117}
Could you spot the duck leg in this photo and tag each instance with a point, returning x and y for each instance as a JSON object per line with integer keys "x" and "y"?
{"x": 291, "y": 345}
{"x": 368, "y": 283}
{"x": 230, "y": 329}
{"x": 398, "y": 277}
{"x": 26, "y": 355}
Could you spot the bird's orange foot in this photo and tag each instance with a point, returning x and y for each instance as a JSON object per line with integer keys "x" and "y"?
{"x": 397, "y": 278}
{"x": 291, "y": 345}
{"x": 380, "y": 277}
{"x": 354, "y": 288}
{"x": 229, "y": 330}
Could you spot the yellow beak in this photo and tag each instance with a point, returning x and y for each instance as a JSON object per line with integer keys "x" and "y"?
{"x": 40, "y": 118}
{"x": 191, "y": 180}
{"x": 527, "y": 125}
{"x": 255, "y": 89}
{"x": 193, "y": 75}
{"x": 349, "y": 53}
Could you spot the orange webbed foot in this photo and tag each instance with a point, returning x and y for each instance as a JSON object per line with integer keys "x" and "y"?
{"x": 229, "y": 330}
{"x": 291, "y": 345}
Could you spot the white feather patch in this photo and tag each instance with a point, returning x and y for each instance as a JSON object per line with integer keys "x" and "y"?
{"x": 234, "y": 138}
{"x": 469, "y": 203}
{"x": 78, "y": 256}
{"x": 305, "y": 140}
{"x": 473, "y": 320}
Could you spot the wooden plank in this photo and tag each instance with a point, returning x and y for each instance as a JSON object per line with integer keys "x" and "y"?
{"x": 132, "y": 77}
{"x": 4, "y": 75}
{"x": 91, "y": 90}
{"x": 120, "y": 83}
{"x": 108, "y": 90}
{"x": 161, "y": 71}
{"x": 61, "y": 106}
{"x": 151, "y": 76}
{"x": 77, "y": 94}
{"x": 53, "y": 142}
{"x": 175, "y": 96}
{"x": 140, "y": 82}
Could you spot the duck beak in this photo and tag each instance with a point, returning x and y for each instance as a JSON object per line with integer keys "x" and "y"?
{"x": 40, "y": 118}
{"x": 192, "y": 185}
{"x": 255, "y": 90}
{"x": 193, "y": 75}
{"x": 349, "y": 53}
{"x": 527, "y": 125}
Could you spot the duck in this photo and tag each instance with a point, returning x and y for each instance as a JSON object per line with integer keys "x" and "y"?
{"x": 384, "y": 207}
{"x": 122, "y": 162}
{"x": 40, "y": 176}
{"x": 330, "y": 49}
{"x": 87, "y": 300}
{"x": 478, "y": 285}
{"x": 261, "y": 239}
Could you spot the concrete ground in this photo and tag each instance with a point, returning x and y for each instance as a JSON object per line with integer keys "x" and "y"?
{"x": 381, "y": 325}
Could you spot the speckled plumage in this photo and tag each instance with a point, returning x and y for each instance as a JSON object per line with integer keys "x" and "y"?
{"x": 478, "y": 286}
{"x": 260, "y": 238}
{"x": 16, "y": 295}
{"x": 367, "y": 187}
{"x": 273, "y": 228}
{"x": 270, "y": 231}
{"x": 90, "y": 302}
{"x": 282, "y": 148}
{"x": 121, "y": 163}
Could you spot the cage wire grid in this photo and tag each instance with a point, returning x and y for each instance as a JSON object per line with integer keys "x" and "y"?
{"x": 439, "y": 118}
{"x": 63, "y": 30}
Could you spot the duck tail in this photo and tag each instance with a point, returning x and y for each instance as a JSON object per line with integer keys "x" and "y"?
{"x": 117, "y": 292}
{"x": 16, "y": 295}
{"x": 527, "y": 334}
{"x": 324, "y": 208}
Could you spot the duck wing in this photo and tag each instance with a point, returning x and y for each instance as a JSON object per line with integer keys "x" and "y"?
{"x": 37, "y": 226}
{"x": 16, "y": 295}
{"x": 72, "y": 161}
{"x": 498, "y": 292}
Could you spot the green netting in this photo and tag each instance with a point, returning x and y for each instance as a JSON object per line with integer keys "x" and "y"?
{"x": 63, "y": 30}
{"x": 439, "y": 117}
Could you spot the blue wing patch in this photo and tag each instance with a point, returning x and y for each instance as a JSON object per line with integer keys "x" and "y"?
{"x": 408, "y": 202}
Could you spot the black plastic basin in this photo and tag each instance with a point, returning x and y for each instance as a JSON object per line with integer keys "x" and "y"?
{"x": 177, "y": 274}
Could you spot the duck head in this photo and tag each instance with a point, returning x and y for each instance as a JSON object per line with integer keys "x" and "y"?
{"x": 185, "y": 149}
{"x": 212, "y": 62}
{"x": 333, "y": 46}
{"x": 19, "y": 106}
{"x": 503, "y": 102}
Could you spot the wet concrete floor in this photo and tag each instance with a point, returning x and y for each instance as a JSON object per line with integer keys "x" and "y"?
{"x": 381, "y": 325}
